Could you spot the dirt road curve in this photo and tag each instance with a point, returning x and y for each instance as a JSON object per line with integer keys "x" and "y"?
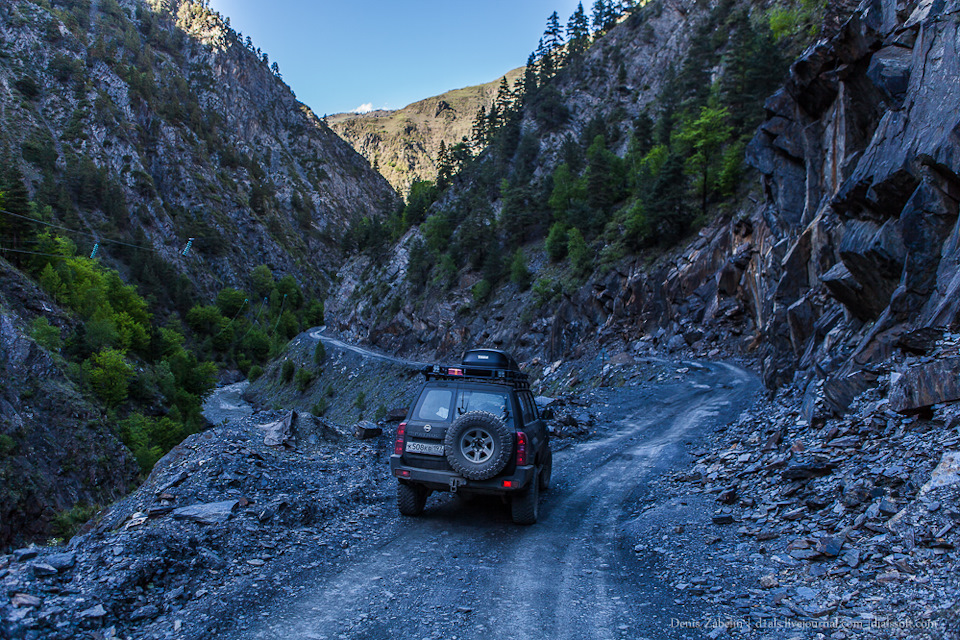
{"x": 464, "y": 571}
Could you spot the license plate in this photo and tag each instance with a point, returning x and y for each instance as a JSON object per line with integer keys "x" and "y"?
{"x": 425, "y": 447}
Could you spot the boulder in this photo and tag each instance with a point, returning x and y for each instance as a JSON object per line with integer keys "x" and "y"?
{"x": 890, "y": 72}
{"x": 922, "y": 386}
{"x": 364, "y": 430}
{"x": 839, "y": 390}
{"x": 61, "y": 561}
{"x": 920, "y": 342}
{"x": 210, "y": 513}
{"x": 946, "y": 474}
{"x": 279, "y": 432}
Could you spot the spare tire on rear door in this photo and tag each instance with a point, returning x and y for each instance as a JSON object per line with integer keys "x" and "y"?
{"x": 478, "y": 445}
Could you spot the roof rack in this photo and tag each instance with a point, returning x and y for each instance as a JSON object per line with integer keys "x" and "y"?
{"x": 478, "y": 374}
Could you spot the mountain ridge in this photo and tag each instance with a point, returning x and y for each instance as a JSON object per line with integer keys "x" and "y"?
{"x": 404, "y": 143}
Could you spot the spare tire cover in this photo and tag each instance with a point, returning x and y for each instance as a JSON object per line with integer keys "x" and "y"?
{"x": 478, "y": 445}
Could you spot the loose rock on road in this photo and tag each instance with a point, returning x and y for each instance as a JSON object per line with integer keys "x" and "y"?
{"x": 465, "y": 571}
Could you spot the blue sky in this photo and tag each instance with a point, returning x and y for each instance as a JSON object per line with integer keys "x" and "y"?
{"x": 340, "y": 55}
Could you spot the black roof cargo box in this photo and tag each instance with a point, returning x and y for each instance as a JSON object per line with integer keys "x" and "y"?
{"x": 489, "y": 359}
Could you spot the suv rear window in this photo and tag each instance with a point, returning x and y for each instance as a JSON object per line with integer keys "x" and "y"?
{"x": 434, "y": 405}
{"x": 494, "y": 402}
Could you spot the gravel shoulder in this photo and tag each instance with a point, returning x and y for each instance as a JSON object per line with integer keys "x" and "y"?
{"x": 465, "y": 571}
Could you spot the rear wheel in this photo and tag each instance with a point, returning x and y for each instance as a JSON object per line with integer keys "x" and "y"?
{"x": 525, "y": 506}
{"x": 411, "y": 499}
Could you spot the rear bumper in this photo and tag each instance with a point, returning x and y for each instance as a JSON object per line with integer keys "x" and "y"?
{"x": 438, "y": 480}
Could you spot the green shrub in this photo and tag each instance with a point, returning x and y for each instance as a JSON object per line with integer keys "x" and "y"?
{"x": 45, "y": 335}
{"x": 257, "y": 345}
{"x": 481, "y": 291}
{"x": 305, "y": 378}
{"x": 287, "y": 371}
{"x": 255, "y": 372}
{"x": 545, "y": 290}
{"x": 319, "y": 353}
{"x": 580, "y": 255}
{"x": 230, "y": 301}
{"x": 261, "y": 278}
{"x": 109, "y": 376}
{"x": 7, "y": 445}
{"x": 313, "y": 316}
{"x": 320, "y": 407}
{"x": 556, "y": 244}
{"x": 519, "y": 273}
{"x": 67, "y": 523}
{"x": 149, "y": 438}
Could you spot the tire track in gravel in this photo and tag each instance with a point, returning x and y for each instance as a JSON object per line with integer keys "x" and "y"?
{"x": 466, "y": 572}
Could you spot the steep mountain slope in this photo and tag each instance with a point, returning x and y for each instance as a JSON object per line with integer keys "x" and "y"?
{"x": 844, "y": 256}
{"x": 150, "y": 137}
{"x": 153, "y": 123}
{"x": 403, "y": 144}
{"x": 633, "y": 79}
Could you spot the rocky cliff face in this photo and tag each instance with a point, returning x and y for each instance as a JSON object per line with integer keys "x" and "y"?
{"x": 848, "y": 254}
{"x": 153, "y": 122}
{"x": 403, "y": 144}
{"x": 59, "y": 459}
{"x": 851, "y": 254}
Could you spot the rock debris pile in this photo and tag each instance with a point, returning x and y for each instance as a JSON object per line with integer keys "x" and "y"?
{"x": 844, "y": 525}
{"x": 221, "y": 514}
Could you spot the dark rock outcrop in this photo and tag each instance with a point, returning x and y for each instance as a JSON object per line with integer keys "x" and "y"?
{"x": 57, "y": 452}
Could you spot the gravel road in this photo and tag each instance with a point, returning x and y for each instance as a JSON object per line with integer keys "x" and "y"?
{"x": 465, "y": 571}
{"x": 318, "y": 334}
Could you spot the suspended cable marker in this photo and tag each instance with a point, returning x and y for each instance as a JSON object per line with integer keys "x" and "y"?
{"x": 280, "y": 314}
{"x": 77, "y": 231}
{"x": 257, "y": 319}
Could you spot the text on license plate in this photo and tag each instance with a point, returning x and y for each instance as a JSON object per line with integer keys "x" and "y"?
{"x": 425, "y": 447}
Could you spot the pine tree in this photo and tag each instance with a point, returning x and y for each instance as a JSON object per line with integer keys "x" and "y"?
{"x": 530, "y": 76}
{"x": 504, "y": 100}
{"x": 578, "y": 32}
{"x": 599, "y": 14}
{"x": 553, "y": 41}
{"x": 545, "y": 67}
{"x": 493, "y": 120}
{"x": 553, "y": 35}
{"x": 15, "y": 202}
{"x": 605, "y": 14}
{"x": 480, "y": 128}
{"x": 444, "y": 168}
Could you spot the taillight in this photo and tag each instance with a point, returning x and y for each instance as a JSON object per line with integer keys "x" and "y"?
{"x": 521, "y": 448}
{"x": 454, "y": 372}
{"x": 401, "y": 436}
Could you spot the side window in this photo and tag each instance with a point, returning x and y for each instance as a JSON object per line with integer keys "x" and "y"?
{"x": 434, "y": 405}
{"x": 529, "y": 409}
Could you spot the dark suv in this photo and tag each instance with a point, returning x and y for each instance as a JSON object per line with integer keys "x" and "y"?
{"x": 474, "y": 429}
